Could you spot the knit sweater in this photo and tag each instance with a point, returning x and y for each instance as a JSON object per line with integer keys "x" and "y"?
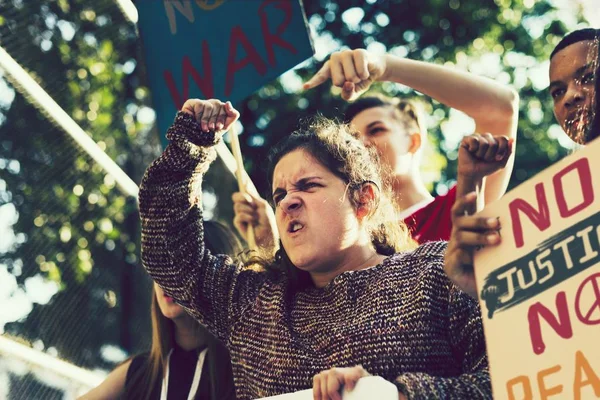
{"x": 402, "y": 320}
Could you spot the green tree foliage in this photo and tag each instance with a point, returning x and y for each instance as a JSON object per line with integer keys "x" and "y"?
{"x": 76, "y": 229}
{"x": 507, "y": 40}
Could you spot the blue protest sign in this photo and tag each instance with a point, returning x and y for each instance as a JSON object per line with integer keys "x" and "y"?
{"x": 225, "y": 49}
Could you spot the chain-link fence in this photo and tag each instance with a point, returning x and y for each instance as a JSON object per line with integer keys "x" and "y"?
{"x": 73, "y": 297}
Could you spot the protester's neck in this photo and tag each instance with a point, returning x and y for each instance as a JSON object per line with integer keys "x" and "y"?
{"x": 355, "y": 258}
{"x": 409, "y": 190}
{"x": 186, "y": 333}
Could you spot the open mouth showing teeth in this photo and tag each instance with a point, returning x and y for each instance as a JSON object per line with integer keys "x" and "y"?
{"x": 295, "y": 227}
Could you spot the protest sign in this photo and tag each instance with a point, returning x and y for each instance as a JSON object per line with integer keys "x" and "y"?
{"x": 224, "y": 49}
{"x": 367, "y": 388}
{"x": 539, "y": 289}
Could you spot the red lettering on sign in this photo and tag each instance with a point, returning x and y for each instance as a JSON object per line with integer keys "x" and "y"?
{"x": 585, "y": 179}
{"x": 271, "y": 39}
{"x": 205, "y": 84}
{"x": 562, "y": 325}
{"x": 540, "y": 217}
{"x": 252, "y": 56}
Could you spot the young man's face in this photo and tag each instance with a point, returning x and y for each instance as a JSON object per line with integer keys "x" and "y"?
{"x": 572, "y": 82}
{"x": 380, "y": 127}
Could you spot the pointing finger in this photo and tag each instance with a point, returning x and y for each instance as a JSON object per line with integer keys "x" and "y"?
{"x": 319, "y": 78}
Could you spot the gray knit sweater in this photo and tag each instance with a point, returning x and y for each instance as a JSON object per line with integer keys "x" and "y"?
{"x": 402, "y": 320}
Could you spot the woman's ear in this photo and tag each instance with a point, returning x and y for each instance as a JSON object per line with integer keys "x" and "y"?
{"x": 366, "y": 199}
{"x": 415, "y": 142}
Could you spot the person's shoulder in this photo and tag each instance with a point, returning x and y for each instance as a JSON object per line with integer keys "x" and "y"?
{"x": 448, "y": 197}
{"x": 426, "y": 258}
{"x": 136, "y": 363}
{"x": 427, "y": 250}
{"x": 113, "y": 386}
{"x": 439, "y": 207}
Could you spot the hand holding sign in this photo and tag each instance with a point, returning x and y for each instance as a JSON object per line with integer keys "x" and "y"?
{"x": 468, "y": 232}
{"x": 352, "y": 70}
{"x": 338, "y": 383}
{"x": 252, "y": 210}
{"x": 238, "y": 47}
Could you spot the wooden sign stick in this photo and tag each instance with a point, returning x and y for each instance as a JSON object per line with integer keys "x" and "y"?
{"x": 239, "y": 173}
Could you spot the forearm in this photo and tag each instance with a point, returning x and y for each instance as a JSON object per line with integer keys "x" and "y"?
{"x": 493, "y": 106}
{"x": 467, "y": 184}
{"x": 173, "y": 250}
{"x": 167, "y": 202}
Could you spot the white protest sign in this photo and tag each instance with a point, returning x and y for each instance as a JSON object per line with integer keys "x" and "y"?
{"x": 367, "y": 388}
{"x": 539, "y": 289}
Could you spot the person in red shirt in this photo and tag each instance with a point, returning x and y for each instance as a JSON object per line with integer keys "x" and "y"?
{"x": 397, "y": 130}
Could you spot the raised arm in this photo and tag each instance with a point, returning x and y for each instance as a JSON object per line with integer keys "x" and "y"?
{"x": 211, "y": 287}
{"x": 493, "y": 106}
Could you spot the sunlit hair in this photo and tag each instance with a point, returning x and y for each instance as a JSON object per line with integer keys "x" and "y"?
{"x": 219, "y": 240}
{"x": 409, "y": 112}
{"x": 335, "y": 147}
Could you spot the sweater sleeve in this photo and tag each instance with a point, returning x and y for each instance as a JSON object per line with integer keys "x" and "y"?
{"x": 468, "y": 344}
{"x": 211, "y": 287}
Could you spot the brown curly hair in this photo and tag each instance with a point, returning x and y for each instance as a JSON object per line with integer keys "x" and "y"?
{"x": 336, "y": 147}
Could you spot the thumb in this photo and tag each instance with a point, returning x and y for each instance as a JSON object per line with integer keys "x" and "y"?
{"x": 318, "y": 78}
{"x": 231, "y": 112}
{"x": 363, "y": 86}
{"x": 471, "y": 144}
{"x": 232, "y": 115}
{"x": 348, "y": 91}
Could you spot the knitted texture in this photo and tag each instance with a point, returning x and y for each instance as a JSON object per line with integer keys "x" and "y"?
{"x": 402, "y": 320}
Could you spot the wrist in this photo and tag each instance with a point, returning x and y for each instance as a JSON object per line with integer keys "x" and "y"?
{"x": 386, "y": 61}
{"x": 470, "y": 183}
{"x": 470, "y": 177}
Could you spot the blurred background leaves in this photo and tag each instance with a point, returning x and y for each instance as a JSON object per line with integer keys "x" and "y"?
{"x": 70, "y": 280}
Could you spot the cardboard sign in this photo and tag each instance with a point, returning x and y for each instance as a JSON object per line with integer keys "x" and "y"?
{"x": 224, "y": 49}
{"x": 539, "y": 289}
{"x": 367, "y": 388}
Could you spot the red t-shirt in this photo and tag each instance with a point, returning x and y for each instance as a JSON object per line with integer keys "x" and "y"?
{"x": 433, "y": 222}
